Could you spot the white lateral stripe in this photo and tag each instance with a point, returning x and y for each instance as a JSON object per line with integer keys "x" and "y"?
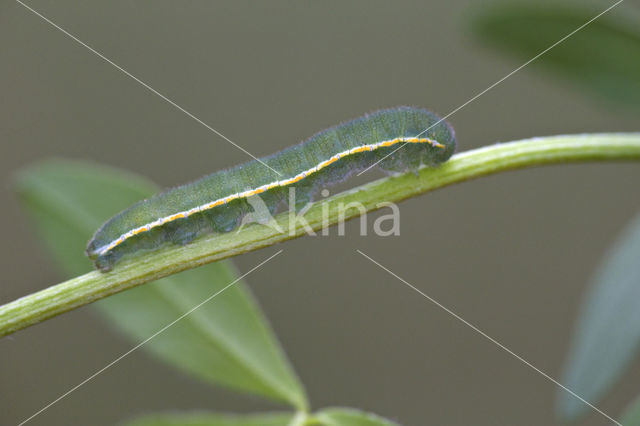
{"x": 184, "y": 214}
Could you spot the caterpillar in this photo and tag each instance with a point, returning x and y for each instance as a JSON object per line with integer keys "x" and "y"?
{"x": 396, "y": 140}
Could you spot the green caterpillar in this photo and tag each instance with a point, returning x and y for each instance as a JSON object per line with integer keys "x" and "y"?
{"x": 396, "y": 140}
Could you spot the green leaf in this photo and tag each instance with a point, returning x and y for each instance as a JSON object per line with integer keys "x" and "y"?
{"x": 226, "y": 341}
{"x": 607, "y": 336}
{"x": 601, "y": 58}
{"x": 210, "y": 419}
{"x": 326, "y": 417}
{"x": 631, "y": 416}
{"x": 350, "y": 417}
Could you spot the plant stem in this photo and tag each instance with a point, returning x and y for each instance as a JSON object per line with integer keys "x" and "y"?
{"x": 151, "y": 266}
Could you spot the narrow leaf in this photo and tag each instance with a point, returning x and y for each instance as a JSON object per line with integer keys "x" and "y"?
{"x": 350, "y": 417}
{"x": 211, "y": 419}
{"x": 631, "y": 416}
{"x": 602, "y": 58}
{"x": 607, "y": 337}
{"x": 226, "y": 341}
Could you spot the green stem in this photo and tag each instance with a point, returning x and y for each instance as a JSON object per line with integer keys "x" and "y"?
{"x": 151, "y": 266}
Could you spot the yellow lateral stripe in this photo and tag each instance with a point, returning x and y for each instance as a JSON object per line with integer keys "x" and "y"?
{"x": 182, "y": 215}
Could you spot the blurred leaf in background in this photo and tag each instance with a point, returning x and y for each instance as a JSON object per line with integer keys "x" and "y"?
{"x": 208, "y": 419}
{"x": 603, "y": 58}
{"x": 607, "y": 337}
{"x": 631, "y": 416}
{"x": 226, "y": 341}
{"x": 350, "y": 417}
{"x": 326, "y": 417}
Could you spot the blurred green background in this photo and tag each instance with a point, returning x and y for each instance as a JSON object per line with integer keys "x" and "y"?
{"x": 510, "y": 253}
